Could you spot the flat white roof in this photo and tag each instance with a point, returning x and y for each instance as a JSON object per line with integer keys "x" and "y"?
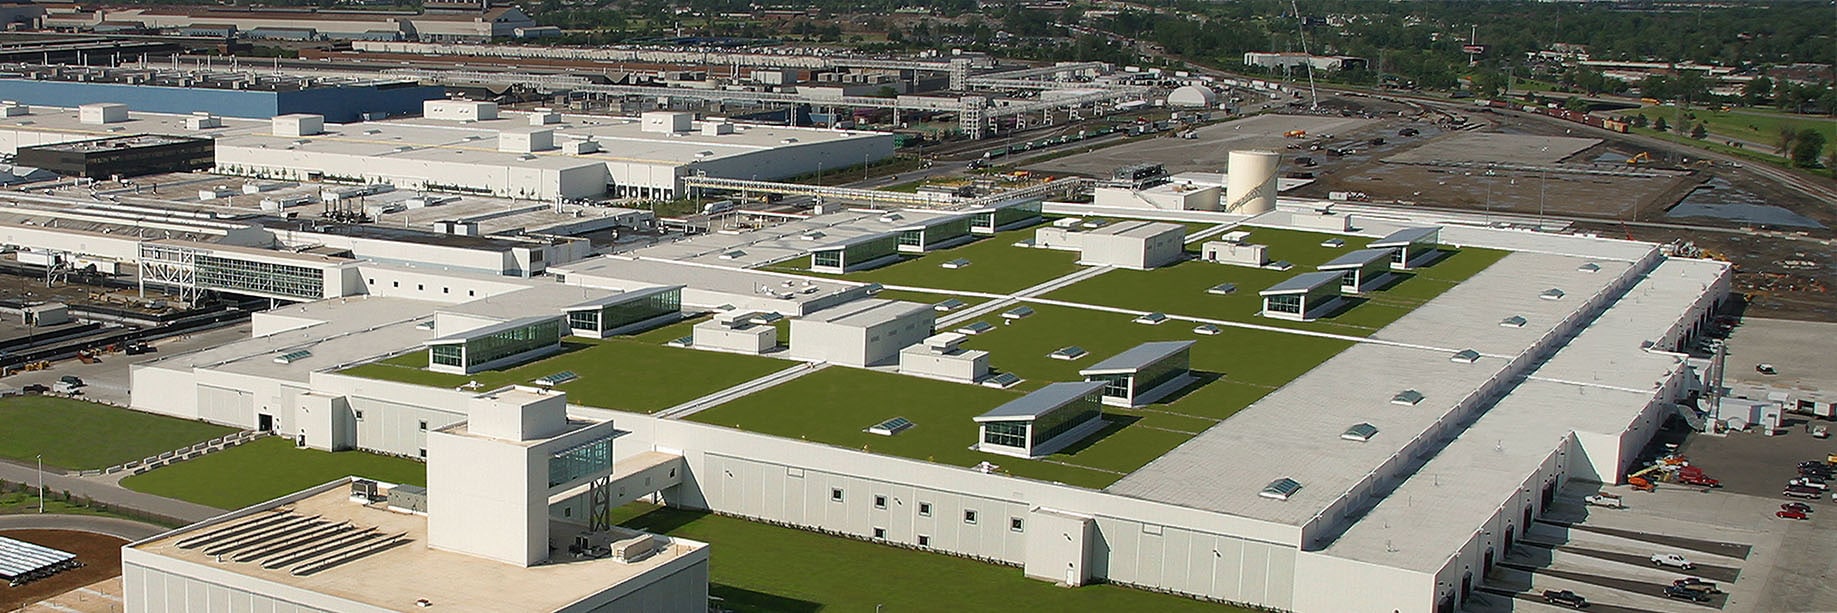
{"x": 1137, "y": 229}
{"x": 1356, "y": 259}
{"x": 1295, "y": 431}
{"x": 336, "y": 332}
{"x": 866, "y": 312}
{"x": 787, "y": 240}
{"x": 625, "y": 272}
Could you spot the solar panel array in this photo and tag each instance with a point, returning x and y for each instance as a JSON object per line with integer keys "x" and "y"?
{"x": 287, "y": 540}
{"x": 21, "y": 561}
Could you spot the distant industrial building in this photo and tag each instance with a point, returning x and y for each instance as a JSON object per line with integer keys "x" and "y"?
{"x": 1296, "y": 60}
{"x": 433, "y": 26}
{"x": 120, "y": 157}
{"x": 252, "y": 95}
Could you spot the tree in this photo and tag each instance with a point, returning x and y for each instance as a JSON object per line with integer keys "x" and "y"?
{"x": 1640, "y": 121}
{"x": 1575, "y": 103}
{"x": 1660, "y": 125}
{"x": 1757, "y": 90}
{"x": 1699, "y": 132}
{"x": 1808, "y": 149}
{"x": 1787, "y": 136}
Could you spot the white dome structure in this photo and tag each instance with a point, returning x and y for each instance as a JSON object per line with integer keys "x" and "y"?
{"x": 1192, "y": 96}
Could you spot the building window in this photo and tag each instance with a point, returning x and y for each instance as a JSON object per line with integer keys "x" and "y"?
{"x": 1288, "y": 303}
{"x": 924, "y": 509}
{"x": 471, "y": 292}
{"x": 826, "y": 259}
{"x": 880, "y": 501}
{"x": 423, "y": 425}
{"x": 372, "y": 281}
{"x": 447, "y": 355}
{"x": 420, "y": 287}
{"x": 1005, "y": 433}
{"x": 835, "y": 494}
{"x": 969, "y": 516}
{"x": 423, "y": 453}
{"x": 214, "y": 272}
{"x": 395, "y": 284}
{"x": 1015, "y": 524}
{"x": 880, "y": 533}
{"x": 446, "y": 290}
{"x": 572, "y": 464}
{"x": 360, "y": 414}
{"x": 924, "y": 540}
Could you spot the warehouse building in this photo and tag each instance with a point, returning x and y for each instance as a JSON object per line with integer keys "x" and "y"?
{"x": 251, "y": 95}
{"x": 1043, "y": 422}
{"x": 1143, "y": 374}
{"x": 120, "y": 157}
{"x": 1308, "y": 500}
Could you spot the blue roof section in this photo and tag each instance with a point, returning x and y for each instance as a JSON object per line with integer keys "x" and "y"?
{"x": 1303, "y": 282}
{"x": 622, "y": 297}
{"x": 491, "y": 329}
{"x": 1409, "y": 236}
{"x": 1356, "y": 259}
{"x": 1137, "y": 357}
{"x": 1042, "y": 401}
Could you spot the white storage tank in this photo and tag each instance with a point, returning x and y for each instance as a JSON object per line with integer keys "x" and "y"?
{"x": 1250, "y": 182}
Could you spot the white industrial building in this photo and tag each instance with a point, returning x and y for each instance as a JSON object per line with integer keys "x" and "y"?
{"x": 538, "y": 155}
{"x": 493, "y": 531}
{"x": 862, "y": 333}
{"x": 1307, "y": 500}
{"x": 1139, "y": 245}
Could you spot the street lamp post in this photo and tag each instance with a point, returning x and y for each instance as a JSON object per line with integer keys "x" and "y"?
{"x": 41, "y": 481}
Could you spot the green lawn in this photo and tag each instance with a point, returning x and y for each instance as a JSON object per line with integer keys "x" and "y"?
{"x": 1755, "y": 125}
{"x": 637, "y": 374}
{"x": 267, "y": 469}
{"x": 79, "y": 435}
{"x": 752, "y": 572}
{"x": 996, "y": 266}
{"x": 824, "y": 407}
{"x": 1181, "y": 289}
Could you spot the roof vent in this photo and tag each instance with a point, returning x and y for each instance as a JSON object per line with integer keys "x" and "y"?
{"x": 1589, "y": 267}
{"x": 292, "y": 356}
{"x": 1465, "y": 356}
{"x": 1360, "y": 432}
{"x": 1515, "y": 321}
{"x": 1407, "y": 398}
{"x": 1280, "y": 489}
{"x": 1551, "y": 294}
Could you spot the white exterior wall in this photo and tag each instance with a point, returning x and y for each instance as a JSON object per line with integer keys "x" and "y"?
{"x": 398, "y": 282}
{"x": 1137, "y": 542}
{"x": 1132, "y": 252}
{"x": 11, "y": 139}
{"x": 585, "y": 180}
{"x": 121, "y": 248}
{"x": 753, "y": 340}
{"x": 964, "y": 366}
{"x": 856, "y": 346}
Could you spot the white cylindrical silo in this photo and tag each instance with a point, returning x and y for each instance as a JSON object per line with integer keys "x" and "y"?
{"x": 1250, "y": 182}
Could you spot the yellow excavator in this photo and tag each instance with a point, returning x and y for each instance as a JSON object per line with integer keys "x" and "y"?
{"x": 1641, "y": 158}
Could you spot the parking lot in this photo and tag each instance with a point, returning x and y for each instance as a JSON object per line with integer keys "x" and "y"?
{"x": 1764, "y": 563}
{"x": 107, "y": 380}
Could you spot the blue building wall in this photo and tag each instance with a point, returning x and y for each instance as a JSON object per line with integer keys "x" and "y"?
{"x": 338, "y": 105}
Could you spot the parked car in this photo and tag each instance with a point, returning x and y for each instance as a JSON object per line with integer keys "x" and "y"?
{"x": 1796, "y": 506}
{"x": 1811, "y": 482}
{"x": 1672, "y": 591}
{"x": 1791, "y": 515}
{"x": 1694, "y": 583}
{"x": 73, "y": 380}
{"x": 1605, "y": 500}
{"x": 1565, "y": 598}
{"x": 1698, "y": 480}
{"x": 138, "y": 348}
{"x": 1672, "y": 560}
{"x": 1820, "y": 432}
{"x": 1806, "y": 493}
{"x": 1766, "y": 369}
{"x": 36, "y": 388}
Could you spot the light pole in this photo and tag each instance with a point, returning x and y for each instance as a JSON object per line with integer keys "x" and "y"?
{"x": 41, "y": 481}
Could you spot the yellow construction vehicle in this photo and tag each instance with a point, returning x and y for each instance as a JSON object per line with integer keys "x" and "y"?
{"x": 1641, "y": 158}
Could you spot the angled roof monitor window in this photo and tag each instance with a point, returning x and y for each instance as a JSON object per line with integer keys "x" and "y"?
{"x": 1223, "y": 289}
{"x": 1017, "y": 312}
{"x": 1207, "y": 329}
{"x": 1360, "y": 432}
{"x": 1589, "y": 267}
{"x": 1002, "y": 380}
{"x": 1280, "y": 489}
{"x": 1465, "y": 356}
{"x": 557, "y": 378}
{"x": 1551, "y": 294}
{"x": 1152, "y": 319}
{"x": 1069, "y": 353}
{"x": 1515, "y": 321}
{"x": 955, "y": 264}
{"x": 890, "y": 427}
{"x": 976, "y": 328}
{"x": 292, "y": 356}
{"x": 949, "y": 305}
{"x": 1407, "y": 398}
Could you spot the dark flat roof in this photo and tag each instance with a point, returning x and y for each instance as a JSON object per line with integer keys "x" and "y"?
{"x": 1042, "y": 401}
{"x": 1303, "y": 282}
{"x": 1355, "y": 259}
{"x": 1407, "y": 236}
{"x": 1138, "y": 357}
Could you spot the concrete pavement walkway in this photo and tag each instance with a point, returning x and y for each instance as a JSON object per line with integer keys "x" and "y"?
{"x": 113, "y": 495}
{"x": 112, "y": 526}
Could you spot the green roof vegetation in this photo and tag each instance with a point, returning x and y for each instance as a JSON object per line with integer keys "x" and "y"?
{"x": 752, "y": 573}
{"x": 636, "y": 374}
{"x": 267, "y": 469}
{"x": 80, "y": 435}
{"x": 996, "y": 266}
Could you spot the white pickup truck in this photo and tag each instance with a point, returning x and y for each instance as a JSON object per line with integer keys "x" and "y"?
{"x": 1605, "y": 500}
{"x": 1672, "y": 560}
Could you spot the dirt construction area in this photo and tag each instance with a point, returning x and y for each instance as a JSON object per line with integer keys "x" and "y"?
{"x": 1210, "y": 148}
{"x": 100, "y": 555}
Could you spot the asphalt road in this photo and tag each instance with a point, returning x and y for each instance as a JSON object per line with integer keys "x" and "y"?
{"x": 112, "y": 526}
